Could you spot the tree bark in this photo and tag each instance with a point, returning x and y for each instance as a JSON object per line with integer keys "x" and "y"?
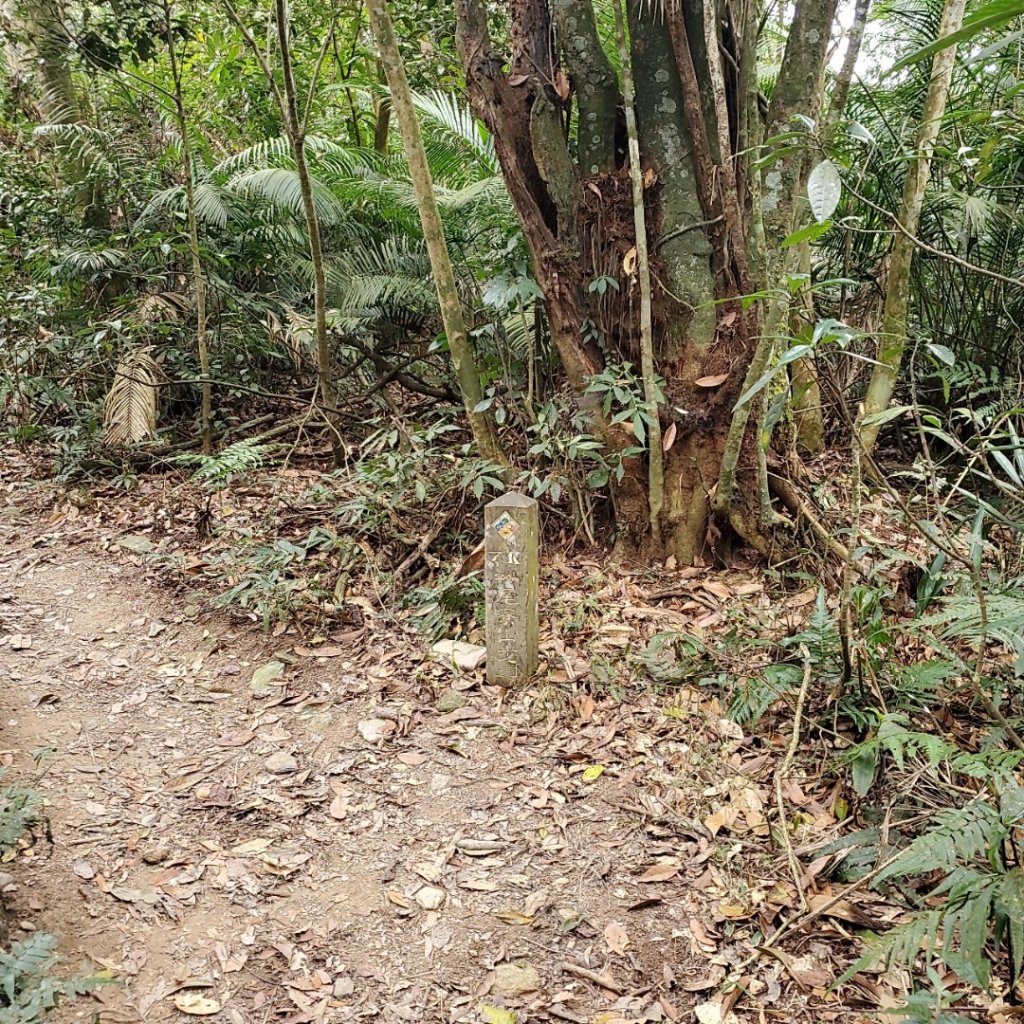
{"x": 195, "y": 253}
{"x": 894, "y": 315}
{"x": 381, "y": 120}
{"x": 433, "y": 233}
{"x": 808, "y": 415}
{"x": 656, "y": 468}
{"x": 597, "y": 88}
{"x": 797, "y": 91}
{"x": 695, "y": 108}
{"x": 854, "y": 40}
{"x": 58, "y": 100}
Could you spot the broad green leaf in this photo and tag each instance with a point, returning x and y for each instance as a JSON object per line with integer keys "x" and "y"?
{"x": 811, "y": 233}
{"x": 876, "y": 419}
{"x": 824, "y": 190}
{"x": 943, "y": 353}
{"x": 863, "y": 770}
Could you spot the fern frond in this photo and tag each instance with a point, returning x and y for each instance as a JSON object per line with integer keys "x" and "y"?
{"x": 901, "y": 944}
{"x": 215, "y": 472}
{"x": 959, "y": 834}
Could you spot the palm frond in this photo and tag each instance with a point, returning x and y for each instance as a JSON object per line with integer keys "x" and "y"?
{"x": 279, "y": 186}
{"x": 129, "y": 412}
{"x": 92, "y": 261}
{"x": 215, "y": 205}
{"x": 278, "y": 152}
{"x": 91, "y": 147}
{"x": 446, "y": 119}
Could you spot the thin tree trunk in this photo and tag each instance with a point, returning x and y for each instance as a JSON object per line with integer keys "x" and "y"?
{"x": 198, "y": 280}
{"x": 381, "y": 126}
{"x": 295, "y": 129}
{"x": 433, "y": 234}
{"x": 797, "y": 91}
{"x": 807, "y": 412}
{"x": 381, "y": 121}
{"x": 894, "y": 315}
{"x": 655, "y": 465}
{"x": 854, "y": 40}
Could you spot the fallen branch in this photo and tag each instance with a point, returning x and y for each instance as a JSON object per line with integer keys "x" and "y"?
{"x": 419, "y": 551}
{"x": 597, "y": 979}
{"x": 792, "y": 500}
{"x": 801, "y": 921}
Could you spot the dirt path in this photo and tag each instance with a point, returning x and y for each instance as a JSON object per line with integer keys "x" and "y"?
{"x": 336, "y": 847}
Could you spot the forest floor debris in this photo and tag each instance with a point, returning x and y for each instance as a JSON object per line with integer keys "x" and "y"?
{"x": 334, "y": 826}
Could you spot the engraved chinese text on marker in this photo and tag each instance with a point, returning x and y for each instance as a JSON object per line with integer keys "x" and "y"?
{"x": 511, "y": 541}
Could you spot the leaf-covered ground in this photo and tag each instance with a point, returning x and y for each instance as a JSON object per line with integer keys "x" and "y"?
{"x": 360, "y": 833}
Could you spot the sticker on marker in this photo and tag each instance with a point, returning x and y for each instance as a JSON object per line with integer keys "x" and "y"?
{"x": 505, "y": 526}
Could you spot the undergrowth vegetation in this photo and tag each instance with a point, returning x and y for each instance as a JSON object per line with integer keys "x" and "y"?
{"x": 30, "y": 987}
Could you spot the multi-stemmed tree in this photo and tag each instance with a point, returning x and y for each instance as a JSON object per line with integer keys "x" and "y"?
{"x": 722, "y": 169}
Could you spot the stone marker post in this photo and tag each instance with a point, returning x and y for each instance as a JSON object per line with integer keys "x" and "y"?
{"x": 511, "y": 533}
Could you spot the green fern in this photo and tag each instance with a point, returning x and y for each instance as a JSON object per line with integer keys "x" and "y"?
{"x": 19, "y": 810}
{"x": 981, "y": 897}
{"x": 214, "y": 472}
{"x": 958, "y": 834}
{"x": 29, "y": 990}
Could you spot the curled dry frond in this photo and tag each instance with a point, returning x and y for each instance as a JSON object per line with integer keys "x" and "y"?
{"x": 129, "y": 412}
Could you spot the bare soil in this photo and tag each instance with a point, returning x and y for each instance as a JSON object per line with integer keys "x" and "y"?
{"x": 336, "y": 847}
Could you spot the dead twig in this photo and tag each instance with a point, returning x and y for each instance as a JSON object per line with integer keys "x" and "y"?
{"x": 803, "y": 920}
{"x": 783, "y": 774}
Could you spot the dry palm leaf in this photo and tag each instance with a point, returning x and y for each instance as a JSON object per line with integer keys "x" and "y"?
{"x": 129, "y": 413}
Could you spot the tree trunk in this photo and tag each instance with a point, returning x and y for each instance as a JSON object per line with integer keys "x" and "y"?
{"x": 695, "y": 115}
{"x": 807, "y": 409}
{"x": 295, "y": 125}
{"x": 433, "y": 233}
{"x": 656, "y": 468}
{"x": 381, "y": 121}
{"x": 296, "y": 128}
{"x": 854, "y": 40}
{"x": 44, "y": 23}
{"x": 897, "y": 289}
{"x": 198, "y": 278}
{"x": 798, "y": 91}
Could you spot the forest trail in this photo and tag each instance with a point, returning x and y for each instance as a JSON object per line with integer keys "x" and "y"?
{"x": 338, "y": 846}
